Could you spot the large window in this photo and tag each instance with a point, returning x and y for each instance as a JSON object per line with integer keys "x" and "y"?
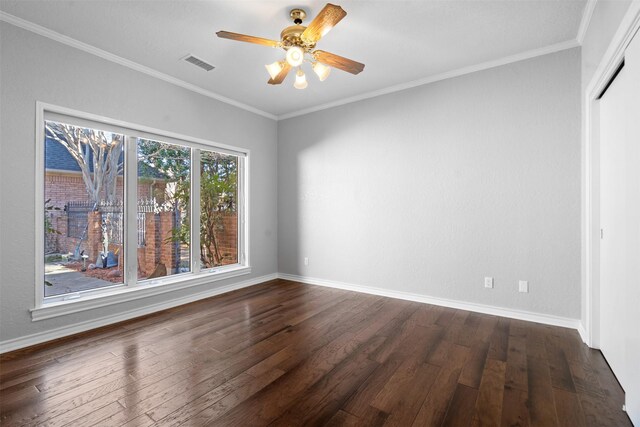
{"x": 125, "y": 207}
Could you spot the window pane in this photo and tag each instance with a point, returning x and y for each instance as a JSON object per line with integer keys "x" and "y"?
{"x": 218, "y": 209}
{"x": 163, "y": 209}
{"x": 83, "y": 216}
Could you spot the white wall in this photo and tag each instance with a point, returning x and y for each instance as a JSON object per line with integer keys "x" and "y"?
{"x": 431, "y": 189}
{"x": 603, "y": 24}
{"x": 605, "y": 21}
{"x": 33, "y": 69}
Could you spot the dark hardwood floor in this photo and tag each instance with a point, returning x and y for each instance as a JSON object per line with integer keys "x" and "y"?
{"x": 287, "y": 354}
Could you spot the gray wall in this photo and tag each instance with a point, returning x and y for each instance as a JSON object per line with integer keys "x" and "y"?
{"x": 34, "y": 69}
{"x": 431, "y": 189}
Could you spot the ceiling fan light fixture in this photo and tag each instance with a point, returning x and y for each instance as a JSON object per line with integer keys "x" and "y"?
{"x": 274, "y": 68}
{"x": 301, "y": 80}
{"x": 321, "y": 70}
{"x": 297, "y": 41}
{"x": 295, "y": 56}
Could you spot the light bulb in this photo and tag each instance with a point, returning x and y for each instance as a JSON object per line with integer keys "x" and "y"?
{"x": 295, "y": 56}
{"x": 274, "y": 69}
{"x": 321, "y": 70}
{"x": 301, "y": 80}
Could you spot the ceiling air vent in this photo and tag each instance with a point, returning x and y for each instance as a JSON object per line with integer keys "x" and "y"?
{"x": 198, "y": 62}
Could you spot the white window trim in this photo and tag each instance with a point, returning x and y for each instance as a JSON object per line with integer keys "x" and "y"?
{"x": 86, "y": 300}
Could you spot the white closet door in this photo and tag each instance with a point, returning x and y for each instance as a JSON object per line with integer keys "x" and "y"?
{"x": 614, "y": 125}
{"x": 620, "y": 221}
{"x": 632, "y": 250}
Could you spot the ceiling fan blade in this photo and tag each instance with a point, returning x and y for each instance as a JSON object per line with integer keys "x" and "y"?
{"x": 328, "y": 17}
{"x": 339, "y": 62}
{"x": 281, "y": 75}
{"x": 248, "y": 39}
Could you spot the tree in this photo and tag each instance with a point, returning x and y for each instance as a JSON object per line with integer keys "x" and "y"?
{"x": 48, "y": 226}
{"x": 218, "y": 186}
{"x": 98, "y": 154}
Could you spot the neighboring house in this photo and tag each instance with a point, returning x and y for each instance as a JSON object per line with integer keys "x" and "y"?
{"x": 63, "y": 178}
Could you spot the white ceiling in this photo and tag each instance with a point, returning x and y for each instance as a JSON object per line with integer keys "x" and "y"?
{"x": 399, "y": 41}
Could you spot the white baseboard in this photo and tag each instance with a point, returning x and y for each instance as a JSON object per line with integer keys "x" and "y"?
{"x": 584, "y": 334}
{"x": 41, "y": 337}
{"x": 529, "y": 316}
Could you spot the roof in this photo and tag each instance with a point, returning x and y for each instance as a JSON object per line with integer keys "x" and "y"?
{"x": 58, "y": 158}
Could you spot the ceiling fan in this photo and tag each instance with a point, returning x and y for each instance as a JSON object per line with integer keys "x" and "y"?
{"x": 299, "y": 43}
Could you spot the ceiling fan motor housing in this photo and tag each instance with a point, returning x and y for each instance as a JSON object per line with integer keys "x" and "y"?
{"x": 297, "y": 15}
{"x": 291, "y": 37}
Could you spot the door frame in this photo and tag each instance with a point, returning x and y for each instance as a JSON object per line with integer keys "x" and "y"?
{"x": 591, "y": 179}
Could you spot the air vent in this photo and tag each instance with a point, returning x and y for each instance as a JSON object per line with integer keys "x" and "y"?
{"x": 198, "y": 62}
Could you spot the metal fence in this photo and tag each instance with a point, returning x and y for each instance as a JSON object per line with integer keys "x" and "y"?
{"x": 112, "y": 214}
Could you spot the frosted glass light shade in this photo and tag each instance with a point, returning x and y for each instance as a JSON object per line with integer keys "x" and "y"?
{"x": 274, "y": 69}
{"x": 295, "y": 56}
{"x": 321, "y": 70}
{"x": 301, "y": 80}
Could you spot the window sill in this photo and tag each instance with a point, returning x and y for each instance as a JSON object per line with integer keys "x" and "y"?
{"x": 124, "y": 293}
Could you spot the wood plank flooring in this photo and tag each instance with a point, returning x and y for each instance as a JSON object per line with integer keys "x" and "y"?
{"x": 286, "y": 354}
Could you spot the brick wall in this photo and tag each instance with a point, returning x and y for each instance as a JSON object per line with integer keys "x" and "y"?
{"x": 64, "y": 188}
{"x": 169, "y": 250}
{"x": 151, "y": 251}
{"x": 61, "y": 188}
{"x": 158, "y": 248}
{"x": 228, "y": 239}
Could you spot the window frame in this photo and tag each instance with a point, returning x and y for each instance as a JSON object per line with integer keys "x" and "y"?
{"x": 132, "y": 288}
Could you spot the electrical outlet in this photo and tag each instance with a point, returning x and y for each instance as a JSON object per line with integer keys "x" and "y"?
{"x": 488, "y": 282}
{"x": 306, "y": 261}
{"x": 523, "y": 286}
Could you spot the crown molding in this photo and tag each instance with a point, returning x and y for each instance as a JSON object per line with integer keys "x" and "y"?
{"x": 569, "y": 44}
{"x": 586, "y": 20}
{"x": 61, "y": 38}
{"x": 69, "y": 41}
